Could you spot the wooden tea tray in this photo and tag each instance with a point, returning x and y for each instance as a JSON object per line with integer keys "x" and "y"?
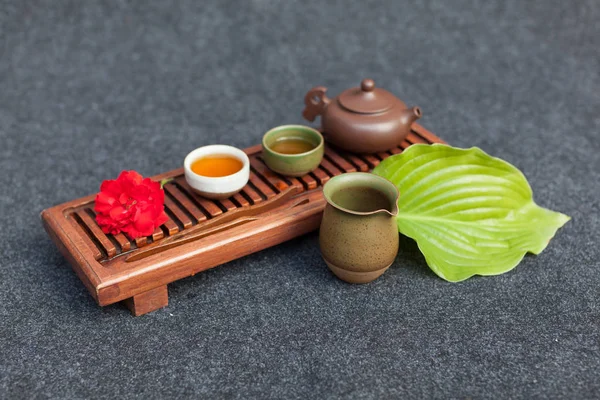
{"x": 200, "y": 233}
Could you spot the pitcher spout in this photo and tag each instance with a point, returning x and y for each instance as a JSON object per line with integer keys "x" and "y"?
{"x": 392, "y": 211}
{"x": 362, "y": 194}
{"x": 392, "y": 194}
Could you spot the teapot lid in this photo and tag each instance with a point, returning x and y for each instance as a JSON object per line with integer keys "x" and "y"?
{"x": 367, "y": 99}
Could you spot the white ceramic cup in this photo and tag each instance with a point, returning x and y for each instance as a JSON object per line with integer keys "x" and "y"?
{"x": 217, "y": 187}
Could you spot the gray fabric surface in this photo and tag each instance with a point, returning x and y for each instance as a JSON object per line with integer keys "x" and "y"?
{"x": 88, "y": 89}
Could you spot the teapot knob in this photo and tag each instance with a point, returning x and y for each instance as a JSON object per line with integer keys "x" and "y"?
{"x": 367, "y": 85}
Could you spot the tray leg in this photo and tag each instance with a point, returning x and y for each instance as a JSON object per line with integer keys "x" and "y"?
{"x": 149, "y": 301}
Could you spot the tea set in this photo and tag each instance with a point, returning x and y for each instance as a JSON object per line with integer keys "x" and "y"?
{"x": 358, "y": 235}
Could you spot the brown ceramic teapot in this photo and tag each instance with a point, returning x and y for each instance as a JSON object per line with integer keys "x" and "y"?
{"x": 363, "y": 119}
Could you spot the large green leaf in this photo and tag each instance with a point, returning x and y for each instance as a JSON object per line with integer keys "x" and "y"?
{"x": 470, "y": 213}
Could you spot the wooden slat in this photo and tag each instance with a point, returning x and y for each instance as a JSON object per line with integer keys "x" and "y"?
{"x": 333, "y": 170}
{"x": 260, "y": 185}
{"x": 275, "y": 179}
{"x": 279, "y": 181}
{"x": 295, "y": 182}
{"x": 396, "y": 150}
{"x": 171, "y": 227}
{"x": 85, "y": 238}
{"x": 321, "y": 176}
{"x": 211, "y": 208}
{"x": 256, "y": 149}
{"x": 413, "y": 138}
{"x": 362, "y": 166}
{"x": 178, "y": 212}
{"x": 425, "y": 134}
{"x": 344, "y": 164}
{"x": 228, "y": 204}
{"x": 107, "y": 245}
{"x": 185, "y": 201}
{"x": 124, "y": 243}
{"x": 310, "y": 182}
{"x": 157, "y": 234}
{"x": 252, "y": 194}
{"x": 240, "y": 199}
{"x": 141, "y": 241}
{"x": 370, "y": 159}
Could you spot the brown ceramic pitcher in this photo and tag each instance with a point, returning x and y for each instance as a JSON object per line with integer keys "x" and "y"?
{"x": 358, "y": 235}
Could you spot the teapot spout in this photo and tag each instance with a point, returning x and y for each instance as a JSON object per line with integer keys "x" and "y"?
{"x": 410, "y": 115}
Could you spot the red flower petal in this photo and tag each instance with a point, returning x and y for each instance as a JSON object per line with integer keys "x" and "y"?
{"x": 130, "y": 177}
{"x": 144, "y": 223}
{"x": 161, "y": 219}
{"x": 139, "y": 192}
{"x": 130, "y": 204}
{"x": 112, "y": 187}
{"x": 104, "y": 202}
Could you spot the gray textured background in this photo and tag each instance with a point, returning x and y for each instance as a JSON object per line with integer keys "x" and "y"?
{"x": 88, "y": 89}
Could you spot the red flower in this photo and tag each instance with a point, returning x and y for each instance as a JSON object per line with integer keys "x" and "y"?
{"x": 130, "y": 204}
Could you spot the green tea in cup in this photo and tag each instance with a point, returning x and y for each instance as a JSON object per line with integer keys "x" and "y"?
{"x": 292, "y": 145}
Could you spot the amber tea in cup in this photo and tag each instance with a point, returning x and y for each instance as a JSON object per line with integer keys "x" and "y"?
{"x": 217, "y": 166}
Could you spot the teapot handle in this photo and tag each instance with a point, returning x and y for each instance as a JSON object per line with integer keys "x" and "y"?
{"x": 315, "y": 101}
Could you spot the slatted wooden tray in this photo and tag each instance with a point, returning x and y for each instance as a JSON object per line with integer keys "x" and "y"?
{"x": 200, "y": 233}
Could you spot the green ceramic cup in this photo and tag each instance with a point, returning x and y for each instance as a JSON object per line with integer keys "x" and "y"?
{"x": 293, "y": 164}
